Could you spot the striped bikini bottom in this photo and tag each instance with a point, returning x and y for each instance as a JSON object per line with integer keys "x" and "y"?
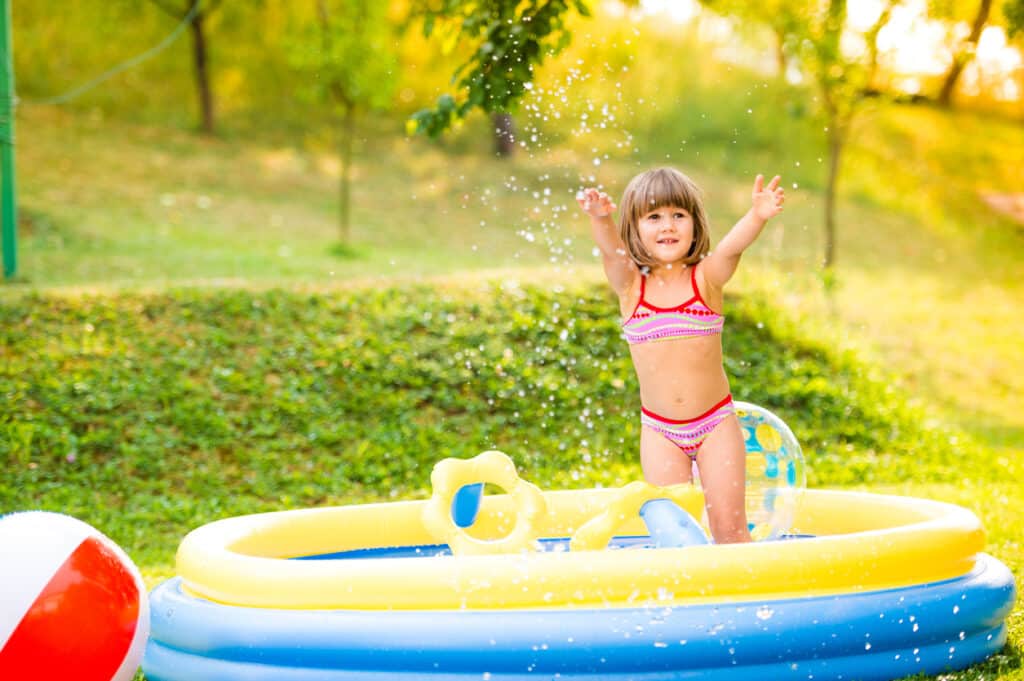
{"x": 688, "y": 434}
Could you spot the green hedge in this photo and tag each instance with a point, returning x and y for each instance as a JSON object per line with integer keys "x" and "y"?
{"x": 150, "y": 414}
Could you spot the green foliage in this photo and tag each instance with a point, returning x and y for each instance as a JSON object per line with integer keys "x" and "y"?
{"x": 1006, "y": 13}
{"x": 508, "y": 38}
{"x": 152, "y": 414}
{"x": 1013, "y": 10}
{"x": 345, "y": 56}
{"x": 251, "y": 47}
{"x": 784, "y": 18}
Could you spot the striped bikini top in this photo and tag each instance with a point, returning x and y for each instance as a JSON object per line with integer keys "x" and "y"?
{"x": 692, "y": 318}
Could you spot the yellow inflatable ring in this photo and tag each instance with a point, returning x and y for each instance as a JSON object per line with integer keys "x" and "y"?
{"x": 595, "y": 534}
{"x": 451, "y": 475}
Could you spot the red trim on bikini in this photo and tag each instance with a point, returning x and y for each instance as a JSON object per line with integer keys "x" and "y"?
{"x": 678, "y": 308}
{"x": 725, "y": 401}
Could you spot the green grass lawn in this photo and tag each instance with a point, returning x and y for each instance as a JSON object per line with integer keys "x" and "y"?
{"x": 149, "y": 414}
{"x": 235, "y": 379}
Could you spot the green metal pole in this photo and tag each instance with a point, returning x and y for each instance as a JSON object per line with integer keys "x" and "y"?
{"x": 8, "y": 196}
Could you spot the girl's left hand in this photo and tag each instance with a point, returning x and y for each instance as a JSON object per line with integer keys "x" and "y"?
{"x": 767, "y": 201}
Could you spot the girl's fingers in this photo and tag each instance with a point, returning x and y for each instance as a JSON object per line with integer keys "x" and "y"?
{"x": 774, "y": 184}
{"x": 591, "y": 199}
{"x": 758, "y": 183}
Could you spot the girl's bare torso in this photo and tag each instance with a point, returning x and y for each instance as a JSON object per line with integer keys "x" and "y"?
{"x": 679, "y": 378}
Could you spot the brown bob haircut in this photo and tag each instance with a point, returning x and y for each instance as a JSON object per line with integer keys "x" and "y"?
{"x": 655, "y": 189}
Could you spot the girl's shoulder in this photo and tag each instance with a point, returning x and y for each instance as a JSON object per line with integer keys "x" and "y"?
{"x": 711, "y": 295}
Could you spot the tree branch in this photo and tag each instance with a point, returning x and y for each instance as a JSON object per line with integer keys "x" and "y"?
{"x": 872, "y": 39}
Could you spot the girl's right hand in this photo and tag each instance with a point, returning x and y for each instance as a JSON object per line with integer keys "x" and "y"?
{"x": 595, "y": 203}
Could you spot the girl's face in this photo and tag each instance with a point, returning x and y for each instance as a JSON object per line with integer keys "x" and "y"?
{"x": 667, "y": 233}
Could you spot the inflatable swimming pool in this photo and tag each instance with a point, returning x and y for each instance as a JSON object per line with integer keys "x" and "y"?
{"x": 568, "y": 584}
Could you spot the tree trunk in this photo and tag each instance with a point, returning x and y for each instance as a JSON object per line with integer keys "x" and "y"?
{"x": 872, "y": 40}
{"x": 202, "y": 74}
{"x": 504, "y": 134}
{"x": 835, "y": 148}
{"x": 780, "y": 53}
{"x": 346, "y": 133}
{"x": 965, "y": 55}
{"x": 345, "y": 145}
{"x": 835, "y": 19}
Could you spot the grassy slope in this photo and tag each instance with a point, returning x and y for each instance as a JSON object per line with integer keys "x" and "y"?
{"x": 115, "y": 205}
{"x": 228, "y": 395}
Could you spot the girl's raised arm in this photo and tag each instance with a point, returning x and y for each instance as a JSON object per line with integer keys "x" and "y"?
{"x": 619, "y": 268}
{"x": 766, "y": 203}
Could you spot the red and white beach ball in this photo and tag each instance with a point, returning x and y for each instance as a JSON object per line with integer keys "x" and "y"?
{"x": 72, "y": 604}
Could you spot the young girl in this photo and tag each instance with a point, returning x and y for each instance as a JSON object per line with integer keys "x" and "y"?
{"x": 670, "y": 296}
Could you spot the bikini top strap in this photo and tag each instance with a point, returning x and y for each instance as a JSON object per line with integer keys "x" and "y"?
{"x": 696, "y": 291}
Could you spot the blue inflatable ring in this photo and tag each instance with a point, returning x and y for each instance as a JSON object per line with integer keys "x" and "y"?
{"x": 876, "y": 635}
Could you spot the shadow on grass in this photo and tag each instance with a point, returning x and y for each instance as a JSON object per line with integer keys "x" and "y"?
{"x": 347, "y": 251}
{"x": 16, "y": 280}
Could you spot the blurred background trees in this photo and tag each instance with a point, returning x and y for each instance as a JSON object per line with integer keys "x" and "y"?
{"x": 345, "y": 62}
{"x": 311, "y": 71}
{"x": 965, "y": 21}
{"x": 457, "y": 57}
{"x": 197, "y": 13}
{"x": 505, "y": 41}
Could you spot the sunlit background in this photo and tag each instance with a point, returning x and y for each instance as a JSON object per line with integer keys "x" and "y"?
{"x": 913, "y": 45}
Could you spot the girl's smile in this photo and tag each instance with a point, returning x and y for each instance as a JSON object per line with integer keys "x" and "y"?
{"x": 667, "y": 232}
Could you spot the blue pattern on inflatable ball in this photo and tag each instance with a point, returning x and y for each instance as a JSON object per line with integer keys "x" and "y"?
{"x": 771, "y": 450}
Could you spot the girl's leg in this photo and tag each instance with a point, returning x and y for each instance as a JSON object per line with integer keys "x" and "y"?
{"x": 662, "y": 461}
{"x": 722, "y": 464}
